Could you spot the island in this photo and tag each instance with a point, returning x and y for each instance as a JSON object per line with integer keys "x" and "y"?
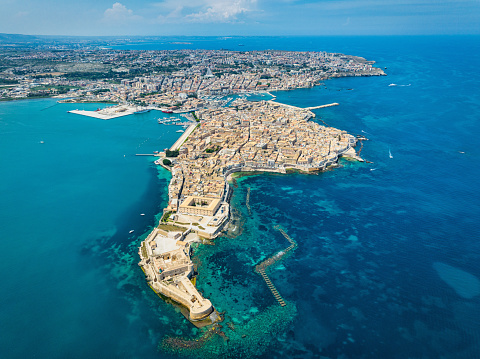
{"x": 264, "y": 136}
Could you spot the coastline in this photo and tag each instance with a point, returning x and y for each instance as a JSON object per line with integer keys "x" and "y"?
{"x": 190, "y": 217}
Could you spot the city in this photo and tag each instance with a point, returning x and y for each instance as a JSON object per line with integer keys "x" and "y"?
{"x": 171, "y": 78}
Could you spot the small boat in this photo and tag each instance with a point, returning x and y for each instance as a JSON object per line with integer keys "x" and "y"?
{"x": 131, "y": 231}
{"x": 373, "y": 169}
{"x": 390, "y": 154}
{"x": 142, "y": 214}
{"x": 142, "y": 111}
{"x": 179, "y": 131}
{"x": 392, "y": 85}
{"x": 42, "y": 141}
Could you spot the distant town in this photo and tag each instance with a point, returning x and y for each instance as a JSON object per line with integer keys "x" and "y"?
{"x": 171, "y": 78}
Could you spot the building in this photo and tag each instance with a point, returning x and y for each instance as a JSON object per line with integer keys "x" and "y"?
{"x": 200, "y": 205}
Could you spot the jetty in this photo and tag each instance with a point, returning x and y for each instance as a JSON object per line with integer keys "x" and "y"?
{"x": 322, "y": 106}
{"x": 247, "y": 202}
{"x": 262, "y": 267}
{"x": 272, "y": 287}
{"x": 306, "y": 108}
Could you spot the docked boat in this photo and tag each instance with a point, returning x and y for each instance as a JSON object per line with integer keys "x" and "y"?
{"x": 180, "y": 131}
{"x": 142, "y": 111}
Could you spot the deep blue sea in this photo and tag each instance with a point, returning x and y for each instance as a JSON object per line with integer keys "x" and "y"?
{"x": 387, "y": 264}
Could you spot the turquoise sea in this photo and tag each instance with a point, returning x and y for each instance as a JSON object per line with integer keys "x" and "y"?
{"x": 388, "y": 252}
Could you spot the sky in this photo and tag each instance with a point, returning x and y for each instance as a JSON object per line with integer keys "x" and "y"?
{"x": 239, "y": 17}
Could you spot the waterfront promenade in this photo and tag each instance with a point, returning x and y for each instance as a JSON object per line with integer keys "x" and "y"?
{"x": 178, "y": 143}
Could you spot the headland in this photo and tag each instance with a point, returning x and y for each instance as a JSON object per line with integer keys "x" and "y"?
{"x": 248, "y": 137}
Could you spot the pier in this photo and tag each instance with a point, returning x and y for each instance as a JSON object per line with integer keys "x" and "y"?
{"x": 306, "y": 108}
{"x": 322, "y": 106}
{"x": 262, "y": 267}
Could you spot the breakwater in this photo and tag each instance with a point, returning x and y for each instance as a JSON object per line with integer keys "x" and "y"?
{"x": 247, "y": 202}
{"x": 306, "y": 108}
{"x": 263, "y": 266}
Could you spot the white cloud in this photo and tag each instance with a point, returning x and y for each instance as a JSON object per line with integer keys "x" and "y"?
{"x": 223, "y": 11}
{"x": 206, "y": 11}
{"x": 119, "y": 13}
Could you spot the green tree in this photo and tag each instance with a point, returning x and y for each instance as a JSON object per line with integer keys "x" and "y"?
{"x": 167, "y": 162}
{"x": 169, "y": 153}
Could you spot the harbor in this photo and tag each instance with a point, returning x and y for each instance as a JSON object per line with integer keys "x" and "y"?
{"x": 121, "y": 110}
